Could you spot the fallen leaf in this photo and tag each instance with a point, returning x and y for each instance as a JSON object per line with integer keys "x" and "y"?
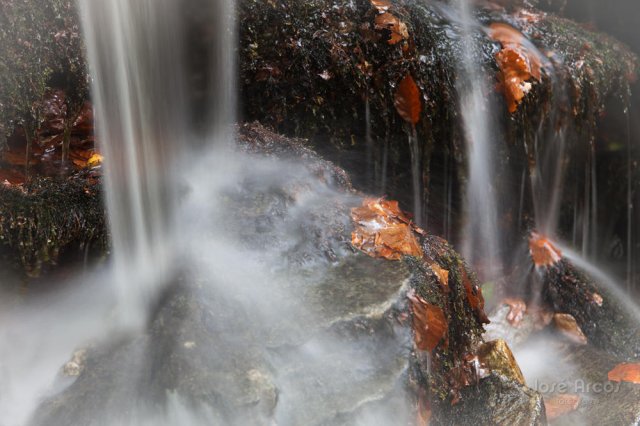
{"x": 389, "y": 22}
{"x": 441, "y": 273}
{"x": 381, "y": 5}
{"x": 383, "y": 230}
{"x": 569, "y": 327}
{"x": 429, "y": 323}
{"x": 543, "y": 252}
{"x": 424, "y": 410}
{"x": 475, "y": 298}
{"x": 95, "y": 160}
{"x": 625, "y": 372}
{"x": 597, "y": 299}
{"x": 407, "y": 100}
{"x": 517, "y": 309}
{"x": 496, "y": 356}
{"x": 562, "y": 404}
{"x": 518, "y": 63}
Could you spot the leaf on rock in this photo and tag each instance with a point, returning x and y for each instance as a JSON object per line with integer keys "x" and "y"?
{"x": 518, "y": 63}
{"x": 407, "y": 100}
{"x": 569, "y": 327}
{"x": 475, "y": 298}
{"x": 381, "y": 5}
{"x": 383, "y": 230}
{"x": 396, "y": 28}
{"x": 625, "y": 372}
{"x": 543, "y": 252}
{"x": 517, "y": 309}
{"x": 562, "y": 404}
{"x": 429, "y": 323}
{"x": 424, "y": 410}
{"x": 442, "y": 274}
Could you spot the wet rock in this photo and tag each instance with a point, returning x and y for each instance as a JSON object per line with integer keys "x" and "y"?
{"x": 497, "y": 400}
{"x": 498, "y": 358}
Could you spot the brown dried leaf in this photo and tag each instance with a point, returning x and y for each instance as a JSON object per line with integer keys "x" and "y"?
{"x": 429, "y": 323}
{"x": 517, "y": 309}
{"x": 381, "y": 5}
{"x": 441, "y": 273}
{"x": 569, "y": 327}
{"x": 517, "y": 62}
{"x": 543, "y": 252}
{"x": 560, "y": 405}
{"x": 475, "y": 298}
{"x": 383, "y": 230}
{"x": 407, "y": 100}
{"x": 389, "y": 22}
{"x": 625, "y": 372}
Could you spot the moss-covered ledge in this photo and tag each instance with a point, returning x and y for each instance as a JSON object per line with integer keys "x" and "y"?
{"x": 45, "y": 218}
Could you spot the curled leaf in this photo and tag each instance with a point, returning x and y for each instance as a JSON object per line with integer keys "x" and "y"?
{"x": 475, "y": 298}
{"x": 560, "y": 405}
{"x": 569, "y": 327}
{"x": 441, "y": 273}
{"x": 383, "y": 230}
{"x": 518, "y": 61}
{"x": 381, "y": 5}
{"x": 517, "y": 309}
{"x": 407, "y": 100}
{"x": 397, "y": 29}
{"x": 625, "y": 372}
{"x": 429, "y": 323}
{"x": 543, "y": 252}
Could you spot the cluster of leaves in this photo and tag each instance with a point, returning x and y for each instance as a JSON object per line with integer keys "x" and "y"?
{"x": 383, "y": 230}
{"x": 40, "y": 48}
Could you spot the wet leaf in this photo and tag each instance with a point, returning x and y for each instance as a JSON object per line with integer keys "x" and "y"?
{"x": 95, "y": 160}
{"x": 569, "y": 327}
{"x": 396, "y": 28}
{"x": 441, "y": 273}
{"x": 562, "y": 404}
{"x": 518, "y": 61}
{"x": 383, "y": 230}
{"x": 517, "y": 309}
{"x": 407, "y": 100}
{"x": 429, "y": 323}
{"x": 381, "y": 5}
{"x": 475, "y": 298}
{"x": 424, "y": 410}
{"x": 496, "y": 356}
{"x": 543, "y": 252}
{"x": 625, "y": 372}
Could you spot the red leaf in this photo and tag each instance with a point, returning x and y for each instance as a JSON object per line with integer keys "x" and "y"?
{"x": 625, "y": 372}
{"x": 475, "y": 298}
{"x": 389, "y": 22}
{"x": 407, "y": 100}
{"x": 429, "y": 323}
{"x": 543, "y": 252}
{"x": 560, "y": 405}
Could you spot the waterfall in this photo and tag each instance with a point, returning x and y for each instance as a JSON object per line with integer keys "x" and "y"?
{"x": 481, "y": 238}
{"x": 136, "y": 51}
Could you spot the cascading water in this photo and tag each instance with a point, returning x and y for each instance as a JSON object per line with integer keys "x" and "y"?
{"x": 139, "y": 99}
{"x": 245, "y": 311}
{"x": 481, "y": 237}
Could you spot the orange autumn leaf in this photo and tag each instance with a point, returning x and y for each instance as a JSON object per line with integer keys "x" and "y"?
{"x": 407, "y": 100}
{"x": 625, "y": 372}
{"x": 381, "y": 5}
{"x": 429, "y": 323}
{"x": 543, "y": 252}
{"x": 383, "y": 230}
{"x": 423, "y": 416}
{"x": 389, "y": 22}
{"x": 518, "y": 64}
{"x": 560, "y": 405}
{"x": 441, "y": 273}
{"x": 569, "y": 327}
{"x": 517, "y": 309}
{"x": 475, "y": 298}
